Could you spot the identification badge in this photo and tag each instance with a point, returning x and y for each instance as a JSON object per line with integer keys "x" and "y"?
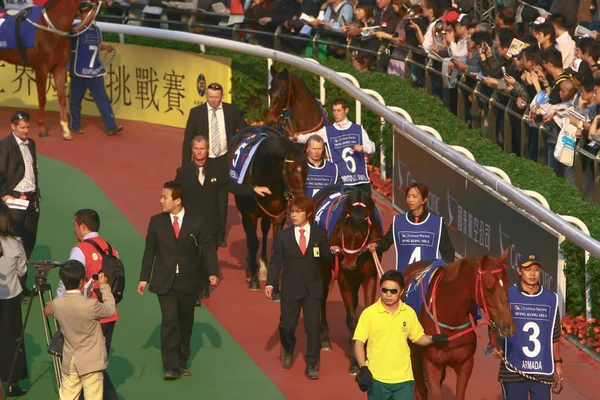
{"x": 316, "y": 252}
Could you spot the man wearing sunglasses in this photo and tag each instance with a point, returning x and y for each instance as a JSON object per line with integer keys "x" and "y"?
{"x": 385, "y": 327}
{"x": 218, "y": 122}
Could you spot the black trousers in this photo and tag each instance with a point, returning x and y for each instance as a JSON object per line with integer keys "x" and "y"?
{"x": 223, "y": 198}
{"x": 176, "y": 329}
{"x": 11, "y": 326}
{"x": 288, "y": 321}
{"x": 109, "y": 391}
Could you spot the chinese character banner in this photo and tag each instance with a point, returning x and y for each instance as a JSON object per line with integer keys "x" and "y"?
{"x": 143, "y": 84}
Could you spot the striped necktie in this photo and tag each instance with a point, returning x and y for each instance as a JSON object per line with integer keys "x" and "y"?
{"x": 215, "y": 137}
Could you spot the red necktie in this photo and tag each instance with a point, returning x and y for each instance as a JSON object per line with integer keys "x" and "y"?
{"x": 302, "y": 242}
{"x": 416, "y": 220}
{"x": 176, "y": 226}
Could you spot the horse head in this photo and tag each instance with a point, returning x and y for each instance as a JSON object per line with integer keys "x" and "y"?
{"x": 280, "y": 93}
{"x": 358, "y": 225}
{"x": 494, "y": 293}
{"x": 295, "y": 170}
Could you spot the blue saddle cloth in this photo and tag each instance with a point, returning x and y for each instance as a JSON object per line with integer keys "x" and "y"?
{"x": 330, "y": 210}
{"x": 8, "y": 29}
{"x": 243, "y": 155}
{"x": 414, "y": 296}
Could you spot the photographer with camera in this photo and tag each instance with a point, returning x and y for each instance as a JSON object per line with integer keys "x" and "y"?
{"x": 13, "y": 265}
{"x": 84, "y": 353}
{"x": 90, "y": 251}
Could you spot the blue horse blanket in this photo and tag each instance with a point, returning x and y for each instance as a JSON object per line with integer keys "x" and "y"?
{"x": 243, "y": 156}
{"x": 330, "y": 211}
{"x": 414, "y": 295}
{"x": 8, "y": 29}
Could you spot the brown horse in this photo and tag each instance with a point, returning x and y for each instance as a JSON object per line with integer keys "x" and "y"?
{"x": 50, "y": 54}
{"x": 353, "y": 221}
{"x": 281, "y": 166}
{"x": 448, "y": 308}
{"x": 293, "y": 110}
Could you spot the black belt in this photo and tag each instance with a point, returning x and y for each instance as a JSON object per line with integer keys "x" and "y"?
{"x": 28, "y": 195}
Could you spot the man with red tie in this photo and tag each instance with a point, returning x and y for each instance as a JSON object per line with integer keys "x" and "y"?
{"x": 171, "y": 263}
{"x": 300, "y": 249}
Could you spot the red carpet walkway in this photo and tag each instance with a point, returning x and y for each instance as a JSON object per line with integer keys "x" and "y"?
{"x": 131, "y": 169}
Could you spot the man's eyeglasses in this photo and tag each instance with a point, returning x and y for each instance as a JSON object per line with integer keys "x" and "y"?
{"x": 215, "y": 86}
{"x": 384, "y": 290}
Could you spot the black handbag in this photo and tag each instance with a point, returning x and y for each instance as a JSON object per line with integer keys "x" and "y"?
{"x": 57, "y": 343}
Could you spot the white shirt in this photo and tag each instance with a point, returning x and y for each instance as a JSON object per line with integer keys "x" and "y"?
{"x": 566, "y": 45}
{"x": 27, "y": 184}
{"x": 222, "y": 133}
{"x": 306, "y": 228}
{"x": 459, "y": 49}
{"x": 368, "y": 145}
{"x": 180, "y": 221}
{"x": 428, "y": 37}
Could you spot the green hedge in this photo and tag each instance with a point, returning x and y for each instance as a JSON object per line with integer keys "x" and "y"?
{"x": 249, "y": 80}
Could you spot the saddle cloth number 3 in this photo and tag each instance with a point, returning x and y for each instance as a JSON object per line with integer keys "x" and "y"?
{"x": 534, "y": 332}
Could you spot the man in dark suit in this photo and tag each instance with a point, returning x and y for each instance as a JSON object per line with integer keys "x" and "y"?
{"x": 171, "y": 263}
{"x": 19, "y": 178}
{"x": 218, "y": 122}
{"x": 202, "y": 180}
{"x": 300, "y": 249}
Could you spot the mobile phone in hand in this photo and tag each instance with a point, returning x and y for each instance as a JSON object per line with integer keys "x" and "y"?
{"x": 95, "y": 277}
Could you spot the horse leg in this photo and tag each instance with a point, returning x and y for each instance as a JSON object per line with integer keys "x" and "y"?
{"x": 369, "y": 290}
{"x": 349, "y": 290}
{"x": 434, "y": 377}
{"x": 41, "y": 76}
{"x": 463, "y": 373}
{"x": 416, "y": 356}
{"x": 249, "y": 223}
{"x": 265, "y": 225}
{"x": 60, "y": 79}
{"x": 326, "y": 274}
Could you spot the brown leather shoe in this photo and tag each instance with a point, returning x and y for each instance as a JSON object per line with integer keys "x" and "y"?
{"x": 287, "y": 359}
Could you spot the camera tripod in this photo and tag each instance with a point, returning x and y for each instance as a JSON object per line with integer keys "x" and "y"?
{"x": 40, "y": 286}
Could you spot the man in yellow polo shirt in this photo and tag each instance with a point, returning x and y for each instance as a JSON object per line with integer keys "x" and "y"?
{"x": 385, "y": 327}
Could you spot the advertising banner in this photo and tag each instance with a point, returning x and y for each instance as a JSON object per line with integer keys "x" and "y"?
{"x": 479, "y": 220}
{"x": 143, "y": 84}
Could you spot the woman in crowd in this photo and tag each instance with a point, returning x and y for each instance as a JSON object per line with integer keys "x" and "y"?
{"x": 13, "y": 265}
{"x": 363, "y": 18}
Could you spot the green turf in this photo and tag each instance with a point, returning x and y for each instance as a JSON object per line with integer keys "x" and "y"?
{"x": 221, "y": 368}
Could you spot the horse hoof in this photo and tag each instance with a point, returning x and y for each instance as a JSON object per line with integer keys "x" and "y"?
{"x": 276, "y": 298}
{"x": 262, "y": 274}
{"x": 67, "y": 136}
{"x": 326, "y": 346}
{"x": 353, "y": 370}
{"x": 44, "y": 134}
{"x": 254, "y": 284}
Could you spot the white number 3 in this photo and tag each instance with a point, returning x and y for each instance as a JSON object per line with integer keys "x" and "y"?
{"x": 533, "y": 337}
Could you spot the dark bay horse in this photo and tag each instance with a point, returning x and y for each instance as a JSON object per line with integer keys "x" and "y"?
{"x": 281, "y": 166}
{"x": 354, "y": 223}
{"x": 50, "y": 53}
{"x": 448, "y": 309}
{"x": 293, "y": 110}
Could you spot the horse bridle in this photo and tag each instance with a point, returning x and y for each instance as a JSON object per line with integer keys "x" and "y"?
{"x": 431, "y": 308}
{"x": 285, "y": 120}
{"x": 288, "y": 193}
{"x": 50, "y": 28}
{"x": 363, "y": 246}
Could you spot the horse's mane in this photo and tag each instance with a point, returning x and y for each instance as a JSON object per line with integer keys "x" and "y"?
{"x": 453, "y": 269}
{"x": 50, "y": 4}
{"x": 297, "y": 84}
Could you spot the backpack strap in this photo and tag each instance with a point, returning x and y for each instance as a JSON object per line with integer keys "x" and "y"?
{"x": 109, "y": 251}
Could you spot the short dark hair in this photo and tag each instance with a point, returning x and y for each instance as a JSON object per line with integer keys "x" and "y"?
{"x": 421, "y": 188}
{"x": 553, "y": 57}
{"x": 6, "y": 229}
{"x": 176, "y": 189}
{"x": 19, "y": 115}
{"x": 71, "y": 273}
{"x": 341, "y": 102}
{"x": 546, "y": 29}
{"x": 304, "y": 204}
{"x": 505, "y": 37}
{"x": 584, "y": 43}
{"x": 392, "y": 275}
{"x": 507, "y": 15}
{"x": 533, "y": 54}
{"x": 559, "y": 20}
{"x": 434, "y": 5}
{"x": 588, "y": 84}
{"x": 594, "y": 51}
{"x": 89, "y": 218}
{"x": 597, "y": 82}
{"x": 482, "y": 37}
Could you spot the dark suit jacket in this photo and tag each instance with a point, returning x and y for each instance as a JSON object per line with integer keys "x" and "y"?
{"x": 12, "y": 166}
{"x": 389, "y": 18}
{"x": 164, "y": 252}
{"x": 197, "y": 124}
{"x": 203, "y": 199}
{"x": 301, "y": 273}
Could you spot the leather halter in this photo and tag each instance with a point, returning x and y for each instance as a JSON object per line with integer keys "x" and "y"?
{"x": 288, "y": 193}
{"x": 431, "y": 307}
{"x": 285, "y": 116}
